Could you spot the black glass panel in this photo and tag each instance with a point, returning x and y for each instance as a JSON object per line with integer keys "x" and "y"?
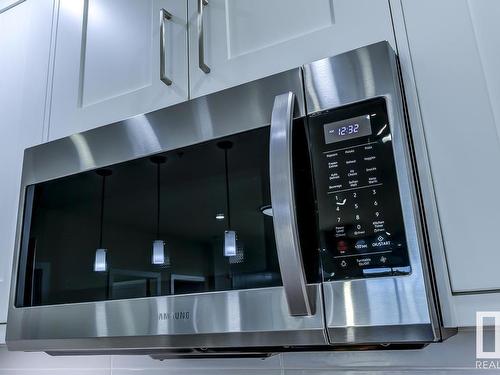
{"x": 99, "y": 235}
{"x": 361, "y": 224}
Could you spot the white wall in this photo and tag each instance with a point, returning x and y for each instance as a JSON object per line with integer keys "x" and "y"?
{"x": 457, "y": 355}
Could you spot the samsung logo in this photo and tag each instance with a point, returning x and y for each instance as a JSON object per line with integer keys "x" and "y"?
{"x": 180, "y": 315}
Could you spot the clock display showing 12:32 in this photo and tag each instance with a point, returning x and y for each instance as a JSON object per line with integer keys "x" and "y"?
{"x": 347, "y": 129}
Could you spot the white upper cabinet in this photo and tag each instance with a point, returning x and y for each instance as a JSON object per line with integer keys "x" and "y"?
{"x": 454, "y": 46}
{"x": 243, "y": 40}
{"x": 24, "y": 62}
{"x": 115, "y": 59}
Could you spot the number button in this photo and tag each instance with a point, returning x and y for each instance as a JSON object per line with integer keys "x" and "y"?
{"x": 340, "y": 199}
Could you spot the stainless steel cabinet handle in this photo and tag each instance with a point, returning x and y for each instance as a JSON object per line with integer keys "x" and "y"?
{"x": 283, "y": 204}
{"x": 201, "y": 48}
{"x": 164, "y": 16}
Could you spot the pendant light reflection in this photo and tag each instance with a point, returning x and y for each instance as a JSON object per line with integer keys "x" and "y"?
{"x": 231, "y": 249}
{"x": 158, "y": 255}
{"x": 100, "y": 264}
{"x": 100, "y": 259}
{"x": 229, "y": 243}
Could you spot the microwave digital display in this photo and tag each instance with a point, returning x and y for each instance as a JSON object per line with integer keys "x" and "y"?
{"x": 337, "y": 131}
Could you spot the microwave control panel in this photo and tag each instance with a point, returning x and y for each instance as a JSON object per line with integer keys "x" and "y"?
{"x": 362, "y": 233}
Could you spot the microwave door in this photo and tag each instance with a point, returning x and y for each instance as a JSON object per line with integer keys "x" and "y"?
{"x": 171, "y": 250}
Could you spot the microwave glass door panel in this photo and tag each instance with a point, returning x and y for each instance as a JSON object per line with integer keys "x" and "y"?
{"x": 191, "y": 220}
{"x": 163, "y": 230}
{"x": 362, "y": 232}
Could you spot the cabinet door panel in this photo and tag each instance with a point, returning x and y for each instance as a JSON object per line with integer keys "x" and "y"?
{"x": 107, "y": 62}
{"x": 116, "y": 58}
{"x": 246, "y": 40}
{"x": 454, "y": 49}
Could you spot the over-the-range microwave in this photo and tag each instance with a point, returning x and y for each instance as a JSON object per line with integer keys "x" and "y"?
{"x": 283, "y": 214}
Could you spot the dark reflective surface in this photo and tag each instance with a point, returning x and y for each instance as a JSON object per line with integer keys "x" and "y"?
{"x": 65, "y": 229}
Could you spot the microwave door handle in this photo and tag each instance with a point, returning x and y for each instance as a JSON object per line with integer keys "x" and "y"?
{"x": 283, "y": 207}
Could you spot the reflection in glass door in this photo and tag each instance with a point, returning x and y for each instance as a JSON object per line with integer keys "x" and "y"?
{"x": 191, "y": 220}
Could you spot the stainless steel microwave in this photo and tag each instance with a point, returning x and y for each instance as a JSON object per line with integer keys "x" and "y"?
{"x": 282, "y": 214}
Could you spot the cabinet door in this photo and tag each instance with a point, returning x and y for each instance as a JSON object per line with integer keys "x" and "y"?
{"x": 455, "y": 54}
{"x": 245, "y": 40}
{"x": 24, "y": 45}
{"x": 108, "y": 61}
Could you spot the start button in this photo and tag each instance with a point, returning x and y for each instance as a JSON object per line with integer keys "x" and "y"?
{"x": 381, "y": 242}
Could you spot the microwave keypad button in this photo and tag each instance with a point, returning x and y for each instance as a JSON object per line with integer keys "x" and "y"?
{"x": 335, "y": 186}
{"x": 352, "y": 173}
{"x": 378, "y": 225}
{"x": 350, "y": 151}
{"x": 358, "y": 231}
{"x": 361, "y": 246}
{"x": 340, "y": 232}
{"x": 353, "y": 183}
{"x": 365, "y": 261}
{"x": 340, "y": 199}
{"x": 342, "y": 247}
{"x": 334, "y": 176}
{"x": 333, "y": 164}
{"x": 381, "y": 242}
